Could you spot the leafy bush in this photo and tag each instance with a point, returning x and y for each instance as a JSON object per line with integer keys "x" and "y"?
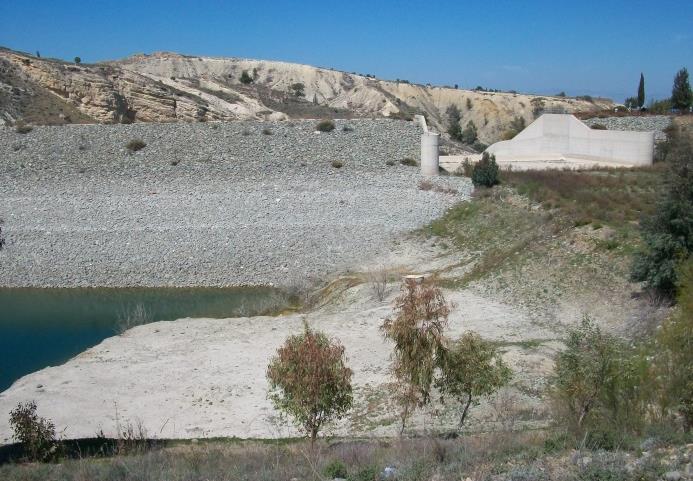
{"x": 485, "y": 172}
{"x": 668, "y": 234}
{"x": 135, "y": 144}
{"x": 325, "y": 125}
{"x": 246, "y": 78}
{"x": 469, "y": 369}
{"x": 335, "y": 469}
{"x": 297, "y": 89}
{"x": 408, "y": 161}
{"x": 420, "y": 316}
{"x": 309, "y": 380}
{"x": 469, "y": 134}
{"x": 36, "y": 434}
{"x": 600, "y": 383}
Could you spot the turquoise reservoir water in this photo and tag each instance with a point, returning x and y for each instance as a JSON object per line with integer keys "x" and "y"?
{"x": 46, "y": 327}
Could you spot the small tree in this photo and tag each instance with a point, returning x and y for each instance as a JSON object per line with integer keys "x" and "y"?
{"x": 641, "y": 91}
{"x": 36, "y": 434}
{"x": 681, "y": 95}
{"x": 420, "y": 316}
{"x": 454, "y": 116}
{"x": 485, "y": 172}
{"x": 246, "y": 78}
{"x": 583, "y": 370}
{"x": 309, "y": 381}
{"x": 471, "y": 368}
{"x": 78, "y": 60}
{"x": 298, "y": 89}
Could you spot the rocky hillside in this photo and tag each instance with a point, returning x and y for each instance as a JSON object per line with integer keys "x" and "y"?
{"x": 165, "y": 87}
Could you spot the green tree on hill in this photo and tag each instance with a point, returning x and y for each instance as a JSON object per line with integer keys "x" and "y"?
{"x": 681, "y": 95}
{"x": 641, "y": 91}
{"x": 454, "y": 117}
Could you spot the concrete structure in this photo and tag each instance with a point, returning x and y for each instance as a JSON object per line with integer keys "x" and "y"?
{"x": 429, "y": 148}
{"x": 562, "y": 137}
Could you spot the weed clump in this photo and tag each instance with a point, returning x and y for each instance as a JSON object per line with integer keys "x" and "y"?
{"x": 409, "y": 162}
{"x": 135, "y": 144}
{"x": 23, "y": 128}
{"x": 337, "y": 164}
{"x": 326, "y": 125}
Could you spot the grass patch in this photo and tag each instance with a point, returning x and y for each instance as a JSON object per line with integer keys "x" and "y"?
{"x": 605, "y": 196}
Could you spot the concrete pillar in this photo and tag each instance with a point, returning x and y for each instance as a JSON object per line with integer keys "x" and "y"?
{"x": 429, "y": 153}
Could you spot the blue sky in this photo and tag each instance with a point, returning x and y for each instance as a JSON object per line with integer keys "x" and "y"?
{"x": 580, "y": 47}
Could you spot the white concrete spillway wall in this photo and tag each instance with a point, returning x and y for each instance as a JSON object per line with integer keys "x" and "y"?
{"x": 562, "y": 136}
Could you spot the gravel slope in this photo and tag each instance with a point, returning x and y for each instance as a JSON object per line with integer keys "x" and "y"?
{"x": 238, "y": 206}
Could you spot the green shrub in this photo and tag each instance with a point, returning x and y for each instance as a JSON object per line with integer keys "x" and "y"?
{"x": 36, "y": 434}
{"x": 470, "y": 368}
{"x": 325, "y": 125}
{"x": 335, "y": 469}
{"x": 246, "y": 78}
{"x": 297, "y": 89}
{"x": 485, "y": 172}
{"x": 668, "y": 234}
{"x": 469, "y": 134}
{"x": 135, "y": 144}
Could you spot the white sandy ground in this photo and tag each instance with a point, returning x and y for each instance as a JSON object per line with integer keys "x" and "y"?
{"x": 206, "y": 377}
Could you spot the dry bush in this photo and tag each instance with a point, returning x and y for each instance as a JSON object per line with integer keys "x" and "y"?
{"x": 325, "y": 125}
{"x": 135, "y": 144}
{"x": 132, "y": 317}
{"x": 36, "y": 434}
{"x": 377, "y": 280}
{"x": 22, "y": 127}
{"x": 425, "y": 184}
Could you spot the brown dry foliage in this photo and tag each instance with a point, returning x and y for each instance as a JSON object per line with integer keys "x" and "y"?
{"x": 309, "y": 380}
{"x": 420, "y": 316}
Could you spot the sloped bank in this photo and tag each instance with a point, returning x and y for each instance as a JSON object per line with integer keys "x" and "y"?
{"x": 208, "y": 204}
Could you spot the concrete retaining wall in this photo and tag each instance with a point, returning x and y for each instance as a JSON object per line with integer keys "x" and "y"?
{"x": 562, "y": 136}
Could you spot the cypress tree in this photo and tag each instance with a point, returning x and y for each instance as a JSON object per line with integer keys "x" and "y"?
{"x": 681, "y": 95}
{"x": 641, "y": 91}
